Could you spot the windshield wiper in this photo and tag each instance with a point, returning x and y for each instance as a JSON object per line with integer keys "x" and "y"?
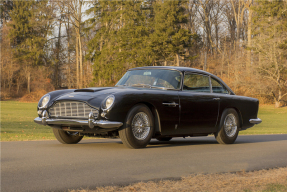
{"x": 163, "y": 88}
{"x": 157, "y": 87}
{"x": 121, "y": 85}
{"x": 141, "y": 85}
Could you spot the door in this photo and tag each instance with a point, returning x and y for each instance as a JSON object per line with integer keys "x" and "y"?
{"x": 198, "y": 106}
{"x": 169, "y": 112}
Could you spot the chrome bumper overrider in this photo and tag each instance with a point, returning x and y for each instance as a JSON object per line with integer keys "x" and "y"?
{"x": 255, "y": 121}
{"x": 91, "y": 122}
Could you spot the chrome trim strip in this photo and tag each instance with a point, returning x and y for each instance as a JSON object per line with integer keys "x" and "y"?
{"x": 255, "y": 121}
{"x": 91, "y": 123}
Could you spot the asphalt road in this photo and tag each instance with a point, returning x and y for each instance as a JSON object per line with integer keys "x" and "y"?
{"x": 51, "y": 166}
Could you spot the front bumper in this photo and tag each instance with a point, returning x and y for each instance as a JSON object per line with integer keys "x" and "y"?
{"x": 76, "y": 122}
{"x": 255, "y": 121}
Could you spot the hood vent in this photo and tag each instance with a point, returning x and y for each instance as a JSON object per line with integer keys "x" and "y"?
{"x": 92, "y": 89}
{"x": 84, "y": 90}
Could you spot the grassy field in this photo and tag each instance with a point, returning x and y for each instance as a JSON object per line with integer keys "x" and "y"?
{"x": 17, "y": 122}
{"x": 274, "y": 121}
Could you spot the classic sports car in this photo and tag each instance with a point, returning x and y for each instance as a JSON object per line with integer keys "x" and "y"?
{"x": 150, "y": 102}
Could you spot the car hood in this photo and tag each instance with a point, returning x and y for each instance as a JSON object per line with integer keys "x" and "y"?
{"x": 94, "y": 96}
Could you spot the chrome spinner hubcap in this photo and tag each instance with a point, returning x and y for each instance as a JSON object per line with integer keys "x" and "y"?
{"x": 230, "y": 125}
{"x": 141, "y": 126}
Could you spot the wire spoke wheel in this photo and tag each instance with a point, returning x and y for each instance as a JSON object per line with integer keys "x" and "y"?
{"x": 230, "y": 125}
{"x": 138, "y": 129}
{"x": 141, "y": 126}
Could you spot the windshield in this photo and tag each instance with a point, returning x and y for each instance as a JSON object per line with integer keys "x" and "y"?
{"x": 152, "y": 78}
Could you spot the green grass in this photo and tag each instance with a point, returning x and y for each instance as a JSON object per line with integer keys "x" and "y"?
{"x": 275, "y": 188}
{"x": 17, "y": 122}
{"x": 274, "y": 121}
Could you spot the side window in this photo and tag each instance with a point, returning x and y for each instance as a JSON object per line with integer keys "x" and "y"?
{"x": 196, "y": 83}
{"x": 217, "y": 87}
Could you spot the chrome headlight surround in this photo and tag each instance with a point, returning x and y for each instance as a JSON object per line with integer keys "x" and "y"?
{"x": 44, "y": 101}
{"x": 108, "y": 102}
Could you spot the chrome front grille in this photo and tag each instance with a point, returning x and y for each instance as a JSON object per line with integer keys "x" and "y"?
{"x": 72, "y": 109}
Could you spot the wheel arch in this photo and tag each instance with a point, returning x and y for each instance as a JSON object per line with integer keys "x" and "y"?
{"x": 238, "y": 113}
{"x": 155, "y": 114}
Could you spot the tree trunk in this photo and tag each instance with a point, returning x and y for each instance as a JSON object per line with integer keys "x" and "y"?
{"x": 278, "y": 104}
{"x": 69, "y": 56}
{"x": 177, "y": 60}
{"x": 81, "y": 62}
{"x": 18, "y": 86}
{"x": 57, "y": 65}
{"x": 28, "y": 81}
{"x": 222, "y": 61}
{"x": 80, "y": 43}
{"x": 249, "y": 36}
{"x": 205, "y": 61}
{"x": 77, "y": 61}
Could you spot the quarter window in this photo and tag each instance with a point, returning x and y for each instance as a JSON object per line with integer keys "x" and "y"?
{"x": 196, "y": 83}
{"x": 217, "y": 87}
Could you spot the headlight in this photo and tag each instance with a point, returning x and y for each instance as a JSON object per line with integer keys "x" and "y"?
{"x": 45, "y": 99}
{"x": 108, "y": 102}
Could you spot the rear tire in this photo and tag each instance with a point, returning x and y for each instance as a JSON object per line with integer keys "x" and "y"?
{"x": 229, "y": 127}
{"x": 67, "y": 137}
{"x": 138, "y": 128}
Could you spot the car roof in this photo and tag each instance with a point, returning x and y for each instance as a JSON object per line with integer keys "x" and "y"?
{"x": 185, "y": 69}
{"x": 182, "y": 69}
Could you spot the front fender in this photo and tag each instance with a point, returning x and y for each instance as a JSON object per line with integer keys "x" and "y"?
{"x": 54, "y": 95}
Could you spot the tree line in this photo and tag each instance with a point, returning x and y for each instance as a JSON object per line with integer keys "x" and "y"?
{"x": 48, "y": 44}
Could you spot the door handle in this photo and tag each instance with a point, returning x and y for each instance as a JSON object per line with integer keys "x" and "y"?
{"x": 173, "y": 104}
{"x": 217, "y": 98}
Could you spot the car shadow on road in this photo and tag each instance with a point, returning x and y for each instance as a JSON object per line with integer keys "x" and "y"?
{"x": 210, "y": 140}
{"x": 260, "y": 138}
{"x": 176, "y": 142}
{"x": 242, "y": 139}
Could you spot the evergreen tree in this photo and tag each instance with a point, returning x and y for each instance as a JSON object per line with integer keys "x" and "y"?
{"x": 120, "y": 35}
{"x": 135, "y": 33}
{"x": 5, "y": 7}
{"x": 29, "y": 29}
{"x": 169, "y": 38}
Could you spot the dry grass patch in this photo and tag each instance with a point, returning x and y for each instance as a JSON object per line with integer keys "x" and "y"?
{"x": 263, "y": 180}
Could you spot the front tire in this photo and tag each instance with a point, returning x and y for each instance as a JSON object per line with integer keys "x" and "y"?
{"x": 67, "y": 137}
{"x": 229, "y": 127}
{"x": 138, "y": 128}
